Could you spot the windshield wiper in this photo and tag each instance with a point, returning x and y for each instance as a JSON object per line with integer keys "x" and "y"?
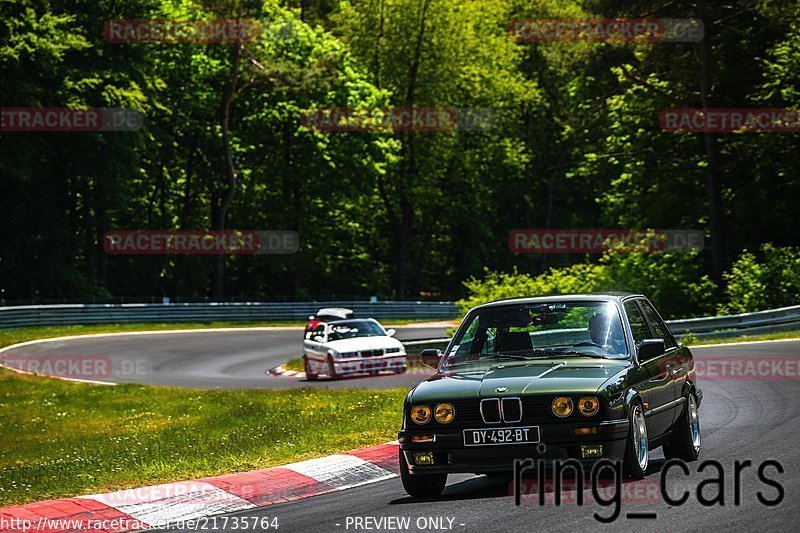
{"x": 582, "y": 354}
{"x": 561, "y": 352}
{"x": 521, "y": 357}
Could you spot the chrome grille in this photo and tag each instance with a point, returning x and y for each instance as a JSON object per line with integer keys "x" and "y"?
{"x": 490, "y": 411}
{"x": 512, "y": 410}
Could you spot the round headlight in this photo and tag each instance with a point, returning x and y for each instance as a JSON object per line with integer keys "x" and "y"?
{"x": 444, "y": 413}
{"x": 421, "y": 414}
{"x": 588, "y": 406}
{"x": 562, "y": 407}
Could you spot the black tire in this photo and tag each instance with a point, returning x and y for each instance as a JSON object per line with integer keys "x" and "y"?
{"x": 633, "y": 465}
{"x": 310, "y": 376}
{"x": 401, "y": 370}
{"x": 332, "y": 368}
{"x": 421, "y": 485}
{"x": 682, "y": 444}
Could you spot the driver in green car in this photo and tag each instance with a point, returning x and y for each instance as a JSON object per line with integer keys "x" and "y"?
{"x": 607, "y": 333}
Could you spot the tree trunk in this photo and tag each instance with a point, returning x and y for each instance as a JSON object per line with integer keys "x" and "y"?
{"x": 408, "y": 167}
{"x": 221, "y": 212}
{"x": 714, "y": 176}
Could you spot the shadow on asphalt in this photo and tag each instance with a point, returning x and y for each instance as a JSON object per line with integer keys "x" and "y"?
{"x": 499, "y": 486}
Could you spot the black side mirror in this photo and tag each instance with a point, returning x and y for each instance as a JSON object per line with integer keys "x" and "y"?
{"x": 431, "y": 357}
{"x": 651, "y": 348}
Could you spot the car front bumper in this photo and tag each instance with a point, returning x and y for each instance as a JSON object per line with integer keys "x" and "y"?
{"x": 450, "y": 455}
{"x": 395, "y": 362}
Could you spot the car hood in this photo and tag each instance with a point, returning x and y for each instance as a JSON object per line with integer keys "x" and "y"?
{"x": 535, "y": 377}
{"x": 358, "y": 344}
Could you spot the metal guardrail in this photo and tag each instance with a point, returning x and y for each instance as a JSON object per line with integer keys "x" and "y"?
{"x": 783, "y": 319}
{"x": 69, "y": 314}
{"x": 707, "y": 328}
{"x": 729, "y": 326}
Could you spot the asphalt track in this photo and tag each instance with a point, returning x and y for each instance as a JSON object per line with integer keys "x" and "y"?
{"x": 746, "y": 419}
{"x": 229, "y": 359}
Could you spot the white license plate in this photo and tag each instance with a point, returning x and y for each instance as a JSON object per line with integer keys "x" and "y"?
{"x": 496, "y": 436}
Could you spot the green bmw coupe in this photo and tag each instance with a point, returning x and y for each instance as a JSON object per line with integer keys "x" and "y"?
{"x": 588, "y": 376}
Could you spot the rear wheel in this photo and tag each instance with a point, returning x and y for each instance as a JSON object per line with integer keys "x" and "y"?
{"x": 636, "y": 454}
{"x": 420, "y": 485}
{"x": 685, "y": 442}
{"x": 310, "y": 376}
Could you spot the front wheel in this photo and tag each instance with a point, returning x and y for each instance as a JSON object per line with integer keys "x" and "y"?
{"x": 636, "y": 453}
{"x": 420, "y": 485}
{"x": 332, "y": 368}
{"x": 310, "y": 376}
{"x": 685, "y": 442}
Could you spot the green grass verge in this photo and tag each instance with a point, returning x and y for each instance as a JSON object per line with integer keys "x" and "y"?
{"x": 750, "y": 338}
{"x": 64, "y": 439}
{"x": 295, "y": 364}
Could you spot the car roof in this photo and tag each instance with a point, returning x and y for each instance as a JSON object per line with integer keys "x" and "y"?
{"x": 579, "y": 297}
{"x": 349, "y": 321}
{"x": 335, "y": 311}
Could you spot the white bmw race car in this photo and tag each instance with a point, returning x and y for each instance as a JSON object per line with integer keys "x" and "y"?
{"x": 346, "y": 347}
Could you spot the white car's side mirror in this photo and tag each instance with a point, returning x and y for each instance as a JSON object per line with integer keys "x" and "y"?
{"x": 391, "y": 332}
{"x": 318, "y": 339}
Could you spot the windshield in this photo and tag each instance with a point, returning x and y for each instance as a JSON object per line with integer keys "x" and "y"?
{"x": 531, "y": 331}
{"x": 357, "y": 328}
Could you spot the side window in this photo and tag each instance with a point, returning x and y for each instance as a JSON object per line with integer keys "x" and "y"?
{"x": 462, "y": 348}
{"x": 319, "y": 331}
{"x": 476, "y": 340}
{"x": 638, "y": 323}
{"x": 661, "y": 329}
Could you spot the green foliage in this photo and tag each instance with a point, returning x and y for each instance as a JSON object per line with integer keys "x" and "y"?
{"x": 767, "y": 280}
{"x": 672, "y": 281}
{"x": 575, "y": 144}
{"x": 581, "y": 277}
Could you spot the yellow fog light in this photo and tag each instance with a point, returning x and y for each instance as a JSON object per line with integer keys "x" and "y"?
{"x": 562, "y": 407}
{"x": 444, "y": 413}
{"x": 421, "y": 414}
{"x": 588, "y": 406}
